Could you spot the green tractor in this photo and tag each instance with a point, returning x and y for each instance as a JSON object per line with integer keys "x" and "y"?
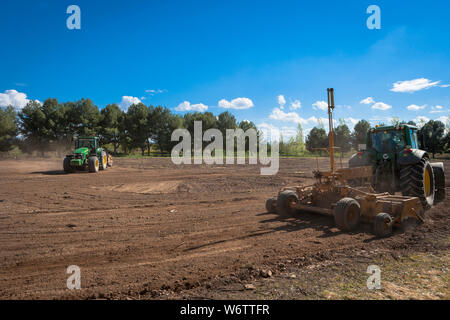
{"x": 87, "y": 155}
{"x": 398, "y": 165}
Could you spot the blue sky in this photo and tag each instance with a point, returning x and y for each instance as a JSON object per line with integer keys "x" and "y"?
{"x": 222, "y": 55}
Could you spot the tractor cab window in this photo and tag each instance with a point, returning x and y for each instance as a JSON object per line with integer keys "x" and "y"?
{"x": 388, "y": 141}
{"x": 85, "y": 144}
{"x": 414, "y": 142}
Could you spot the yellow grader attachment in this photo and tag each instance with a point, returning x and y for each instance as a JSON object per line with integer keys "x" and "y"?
{"x": 332, "y": 195}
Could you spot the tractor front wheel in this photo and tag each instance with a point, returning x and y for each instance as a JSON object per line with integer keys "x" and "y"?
{"x": 347, "y": 214}
{"x": 417, "y": 180}
{"x": 66, "y": 165}
{"x": 94, "y": 164}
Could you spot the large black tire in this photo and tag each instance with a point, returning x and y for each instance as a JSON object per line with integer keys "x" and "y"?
{"x": 103, "y": 161}
{"x": 347, "y": 214}
{"x": 66, "y": 165}
{"x": 285, "y": 203}
{"x": 271, "y": 205}
{"x": 417, "y": 180}
{"x": 439, "y": 181}
{"x": 382, "y": 225}
{"x": 94, "y": 164}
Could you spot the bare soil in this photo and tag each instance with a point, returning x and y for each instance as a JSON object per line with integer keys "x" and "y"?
{"x": 148, "y": 229}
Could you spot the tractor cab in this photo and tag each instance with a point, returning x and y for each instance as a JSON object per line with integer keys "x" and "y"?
{"x": 91, "y": 143}
{"x": 388, "y": 141}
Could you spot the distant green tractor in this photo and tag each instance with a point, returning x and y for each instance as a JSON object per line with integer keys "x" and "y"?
{"x": 399, "y": 165}
{"x": 87, "y": 155}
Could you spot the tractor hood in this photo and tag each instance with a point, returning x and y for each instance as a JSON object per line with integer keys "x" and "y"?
{"x": 82, "y": 150}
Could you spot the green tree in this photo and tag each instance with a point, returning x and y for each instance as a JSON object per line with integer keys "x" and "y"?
{"x": 431, "y": 136}
{"x": 317, "y": 138}
{"x": 359, "y": 133}
{"x": 137, "y": 128}
{"x": 33, "y": 127}
{"x": 446, "y": 142}
{"x": 225, "y": 121}
{"x": 208, "y": 120}
{"x": 84, "y": 117}
{"x": 8, "y": 128}
{"x": 343, "y": 137}
{"x": 299, "y": 140}
{"x": 245, "y": 125}
{"x": 110, "y": 125}
{"x": 162, "y": 123}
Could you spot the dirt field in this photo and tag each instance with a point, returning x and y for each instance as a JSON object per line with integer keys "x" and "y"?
{"x": 150, "y": 229}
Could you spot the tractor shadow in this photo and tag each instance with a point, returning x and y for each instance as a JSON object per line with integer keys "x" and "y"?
{"x": 306, "y": 220}
{"x": 56, "y": 172}
{"x": 302, "y": 220}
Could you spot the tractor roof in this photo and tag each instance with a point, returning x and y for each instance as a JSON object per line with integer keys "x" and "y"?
{"x": 398, "y": 127}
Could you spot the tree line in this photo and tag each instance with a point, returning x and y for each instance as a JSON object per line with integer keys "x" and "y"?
{"x": 52, "y": 125}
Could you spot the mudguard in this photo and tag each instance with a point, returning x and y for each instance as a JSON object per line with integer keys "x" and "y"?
{"x": 358, "y": 161}
{"x": 411, "y": 158}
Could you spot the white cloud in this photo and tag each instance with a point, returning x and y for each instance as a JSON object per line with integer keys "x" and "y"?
{"x": 13, "y": 98}
{"x": 187, "y": 106}
{"x": 437, "y": 109}
{"x": 445, "y": 85}
{"x": 415, "y": 107}
{"x": 381, "y": 106}
{"x": 155, "y": 91}
{"x": 420, "y": 120}
{"x": 368, "y": 100}
{"x": 278, "y": 114}
{"x": 353, "y": 121}
{"x": 238, "y": 103}
{"x": 296, "y": 104}
{"x": 128, "y": 101}
{"x": 281, "y": 101}
{"x": 443, "y": 119}
{"x": 413, "y": 85}
{"x": 273, "y": 133}
{"x": 322, "y": 105}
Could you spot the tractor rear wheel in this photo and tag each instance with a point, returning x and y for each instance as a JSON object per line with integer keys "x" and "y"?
{"x": 347, "y": 214}
{"x": 94, "y": 164}
{"x": 286, "y": 202}
{"x": 271, "y": 205}
{"x": 417, "y": 180}
{"x": 103, "y": 161}
{"x": 66, "y": 165}
{"x": 382, "y": 225}
{"x": 439, "y": 181}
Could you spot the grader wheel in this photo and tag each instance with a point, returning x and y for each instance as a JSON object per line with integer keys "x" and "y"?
{"x": 286, "y": 202}
{"x": 418, "y": 180}
{"x": 271, "y": 205}
{"x": 347, "y": 214}
{"x": 382, "y": 225}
